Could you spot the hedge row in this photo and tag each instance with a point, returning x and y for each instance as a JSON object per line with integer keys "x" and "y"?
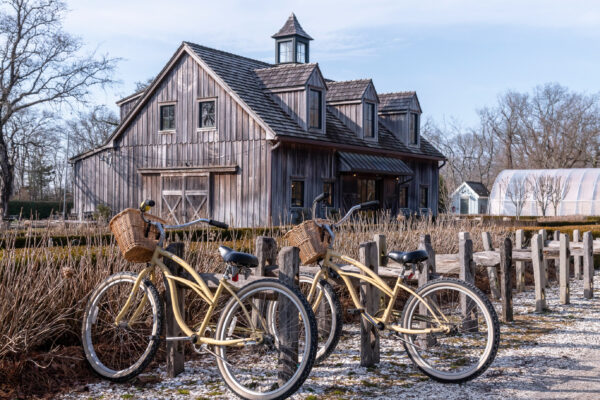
{"x": 36, "y": 209}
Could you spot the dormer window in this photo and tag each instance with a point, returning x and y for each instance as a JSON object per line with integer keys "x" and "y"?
{"x": 285, "y": 52}
{"x": 300, "y": 52}
{"x": 315, "y": 109}
{"x": 414, "y": 129}
{"x": 369, "y": 120}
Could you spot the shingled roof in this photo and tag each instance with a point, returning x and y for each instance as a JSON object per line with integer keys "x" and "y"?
{"x": 395, "y": 101}
{"x": 286, "y": 75}
{"x": 347, "y": 90}
{"x": 291, "y": 27}
{"x": 478, "y": 188}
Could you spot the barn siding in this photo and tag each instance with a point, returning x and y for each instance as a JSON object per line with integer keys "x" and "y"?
{"x": 237, "y": 140}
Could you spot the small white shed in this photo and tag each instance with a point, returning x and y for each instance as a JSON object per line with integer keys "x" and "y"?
{"x": 470, "y": 198}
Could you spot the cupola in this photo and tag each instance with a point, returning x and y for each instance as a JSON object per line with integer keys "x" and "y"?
{"x": 291, "y": 43}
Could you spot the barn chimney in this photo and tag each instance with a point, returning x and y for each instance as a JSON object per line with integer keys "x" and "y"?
{"x": 291, "y": 43}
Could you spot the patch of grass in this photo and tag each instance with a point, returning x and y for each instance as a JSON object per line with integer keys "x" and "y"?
{"x": 311, "y": 397}
{"x": 183, "y": 391}
{"x": 126, "y": 396}
{"x": 369, "y": 384}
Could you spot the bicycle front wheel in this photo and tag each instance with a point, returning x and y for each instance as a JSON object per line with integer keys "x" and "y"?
{"x": 471, "y": 344}
{"x": 119, "y": 352}
{"x": 267, "y": 366}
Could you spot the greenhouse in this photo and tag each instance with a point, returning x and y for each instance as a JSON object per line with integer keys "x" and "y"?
{"x": 562, "y": 191}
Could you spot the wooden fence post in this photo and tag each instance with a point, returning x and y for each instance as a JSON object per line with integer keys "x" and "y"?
{"x": 289, "y": 269}
{"x": 467, "y": 274}
{"x": 427, "y": 269}
{"x": 381, "y": 249}
{"x": 565, "y": 261}
{"x": 175, "y": 349}
{"x": 537, "y": 259}
{"x": 519, "y": 265}
{"x": 369, "y": 299}
{"x": 492, "y": 272}
{"x": 545, "y": 260}
{"x": 556, "y": 236}
{"x": 506, "y": 286}
{"x": 266, "y": 252}
{"x": 577, "y": 260}
{"x": 588, "y": 265}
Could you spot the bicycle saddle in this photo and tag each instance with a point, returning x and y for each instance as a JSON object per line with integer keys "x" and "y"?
{"x": 409, "y": 257}
{"x": 238, "y": 258}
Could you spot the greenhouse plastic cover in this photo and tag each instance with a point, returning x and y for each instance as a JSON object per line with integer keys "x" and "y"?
{"x": 582, "y": 192}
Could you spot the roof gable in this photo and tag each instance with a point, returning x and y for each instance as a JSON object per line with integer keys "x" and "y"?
{"x": 290, "y": 28}
{"x": 348, "y": 90}
{"x": 478, "y": 188}
{"x": 399, "y": 101}
{"x": 286, "y": 75}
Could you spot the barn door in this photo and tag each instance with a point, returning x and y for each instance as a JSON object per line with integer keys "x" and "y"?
{"x": 184, "y": 198}
{"x": 172, "y": 198}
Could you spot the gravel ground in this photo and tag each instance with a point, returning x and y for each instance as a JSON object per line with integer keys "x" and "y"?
{"x": 551, "y": 355}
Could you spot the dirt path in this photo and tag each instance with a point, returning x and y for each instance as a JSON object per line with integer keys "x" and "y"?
{"x": 554, "y": 355}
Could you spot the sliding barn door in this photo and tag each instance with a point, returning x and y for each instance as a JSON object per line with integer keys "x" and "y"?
{"x": 184, "y": 198}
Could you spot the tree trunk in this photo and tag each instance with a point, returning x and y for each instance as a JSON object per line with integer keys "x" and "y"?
{"x": 6, "y": 177}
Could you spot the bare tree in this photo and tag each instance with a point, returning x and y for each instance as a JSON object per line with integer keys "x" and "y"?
{"x": 541, "y": 190}
{"x": 558, "y": 191}
{"x": 40, "y": 64}
{"x": 517, "y": 191}
{"x": 91, "y": 129}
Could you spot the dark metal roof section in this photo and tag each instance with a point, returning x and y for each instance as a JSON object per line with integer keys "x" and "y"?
{"x": 395, "y": 101}
{"x": 346, "y": 90}
{"x": 286, "y": 75}
{"x": 367, "y": 163}
{"x": 478, "y": 188}
{"x": 290, "y": 28}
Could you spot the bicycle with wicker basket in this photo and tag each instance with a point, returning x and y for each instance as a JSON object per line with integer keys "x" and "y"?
{"x": 448, "y": 327}
{"x": 259, "y": 356}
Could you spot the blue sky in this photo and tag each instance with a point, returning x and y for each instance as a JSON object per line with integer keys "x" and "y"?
{"x": 457, "y": 54}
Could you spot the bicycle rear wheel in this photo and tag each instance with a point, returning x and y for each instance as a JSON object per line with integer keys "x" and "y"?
{"x": 270, "y": 366}
{"x": 472, "y": 343}
{"x": 120, "y": 352}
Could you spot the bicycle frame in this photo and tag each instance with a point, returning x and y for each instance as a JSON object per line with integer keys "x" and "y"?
{"x": 373, "y": 279}
{"x": 200, "y": 288}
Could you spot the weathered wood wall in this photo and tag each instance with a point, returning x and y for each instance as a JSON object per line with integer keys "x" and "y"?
{"x": 236, "y": 140}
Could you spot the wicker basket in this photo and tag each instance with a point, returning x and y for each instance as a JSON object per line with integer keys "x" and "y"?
{"x": 128, "y": 228}
{"x": 312, "y": 240}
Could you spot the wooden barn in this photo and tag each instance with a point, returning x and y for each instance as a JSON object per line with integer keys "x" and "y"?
{"x": 251, "y": 143}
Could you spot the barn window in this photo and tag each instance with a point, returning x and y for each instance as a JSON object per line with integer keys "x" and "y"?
{"x": 300, "y": 52}
{"x": 424, "y": 197}
{"x": 286, "y": 51}
{"x": 208, "y": 114}
{"x": 167, "y": 117}
{"x": 369, "y": 120}
{"x": 297, "y": 193}
{"x": 315, "y": 109}
{"x": 403, "y": 197}
{"x": 328, "y": 188}
{"x": 414, "y": 129}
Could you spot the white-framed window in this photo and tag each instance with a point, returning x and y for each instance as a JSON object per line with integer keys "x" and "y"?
{"x": 300, "y": 52}
{"x": 207, "y": 114}
{"x": 286, "y": 51}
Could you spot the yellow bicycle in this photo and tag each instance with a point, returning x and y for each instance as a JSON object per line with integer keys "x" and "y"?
{"x": 448, "y": 327}
{"x": 123, "y": 321}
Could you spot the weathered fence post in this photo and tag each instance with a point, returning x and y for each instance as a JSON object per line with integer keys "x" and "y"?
{"x": 369, "y": 299}
{"x": 381, "y": 249}
{"x": 577, "y": 260}
{"x": 565, "y": 261}
{"x": 519, "y": 265}
{"x": 427, "y": 269}
{"x": 537, "y": 259}
{"x": 492, "y": 272}
{"x": 506, "y": 286}
{"x": 289, "y": 269}
{"x": 175, "y": 349}
{"x": 556, "y": 236}
{"x": 467, "y": 274}
{"x": 545, "y": 260}
{"x": 588, "y": 265}
{"x": 266, "y": 252}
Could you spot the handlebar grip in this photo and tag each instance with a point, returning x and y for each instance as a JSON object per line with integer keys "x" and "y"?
{"x": 369, "y": 204}
{"x": 320, "y": 197}
{"x": 218, "y": 224}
